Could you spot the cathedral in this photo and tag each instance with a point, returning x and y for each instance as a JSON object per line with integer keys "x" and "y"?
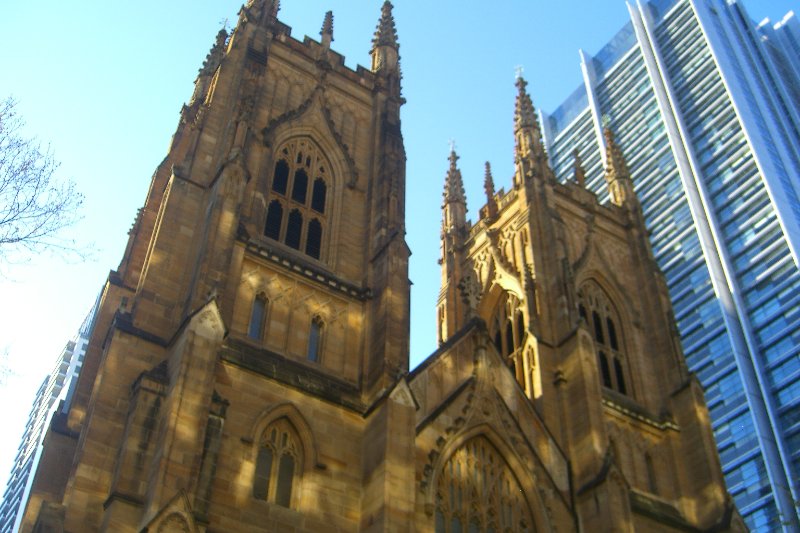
{"x": 249, "y": 367}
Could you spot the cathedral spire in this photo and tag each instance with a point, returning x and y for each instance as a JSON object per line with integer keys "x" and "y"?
{"x": 455, "y": 200}
{"x": 488, "y": 186}
{"x": 580, "y": 173}
{"x": 618, "y": 178}
{"x": 385, "y": 33}
{"x": 385, "y": 49}
{"x": 526, "y": 131}
{"x": 327, "y": 30}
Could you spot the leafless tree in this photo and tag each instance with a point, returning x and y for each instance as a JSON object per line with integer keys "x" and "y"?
{"x": 34, "y": 206}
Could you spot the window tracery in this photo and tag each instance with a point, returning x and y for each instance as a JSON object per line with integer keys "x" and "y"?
{"x": 277, "y": 464}
{"x": 594, "y": 302}
{"x": 477, "y": 492}
{"x": 296, "y": 217}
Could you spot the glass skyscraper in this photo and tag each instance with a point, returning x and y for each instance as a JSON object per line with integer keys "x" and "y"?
{"x": 56, "y": 388}
{"x": 705, "y": 104}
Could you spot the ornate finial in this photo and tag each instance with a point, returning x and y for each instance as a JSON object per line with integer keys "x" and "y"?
{"x": 214, "y": 56}
{"x": 276, "y": 6}
{"x": 518, "y": 71}
{"x": 488, "y": 186}
{"x": 327, "y": 25}
{"x": 385, "y": 33}
{"x": 617, "y": 176}
{"x": 453, "y": 183}
{"x": 580, "y": 174}
{"x": 452, "y": 144}
{"x": 525, "y": 114}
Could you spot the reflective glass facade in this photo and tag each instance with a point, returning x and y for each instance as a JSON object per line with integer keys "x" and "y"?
{"x": 708, "y": 123}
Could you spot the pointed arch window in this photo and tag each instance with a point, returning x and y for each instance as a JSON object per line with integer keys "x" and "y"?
{"x": 277, "y": 464}
{"x": 611, "y": 358}
{"x": 297, "y": 213}
{"x": 477, "y": 492}
{"x": 258, "y": 315}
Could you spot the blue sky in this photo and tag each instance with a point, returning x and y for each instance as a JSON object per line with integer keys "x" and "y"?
{"x": 103, "y": 83}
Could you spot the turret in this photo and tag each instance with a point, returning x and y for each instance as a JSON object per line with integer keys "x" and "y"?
{"x": 451, "y": 315}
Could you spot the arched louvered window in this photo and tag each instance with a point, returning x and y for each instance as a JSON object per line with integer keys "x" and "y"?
{"x": 277, "y": 463}
{"x": 258, "y": 315}
{"x": 611, "y": 358}
{"x": 477, "y": 492}
{"x": 297, "y": 213}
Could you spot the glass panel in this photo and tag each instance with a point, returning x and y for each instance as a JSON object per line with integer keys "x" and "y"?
{"x": 318, "y": 195}
{"x": 612, "y": 334}
{"x": 605, "y": 371}
{"x": 257, "y": 317}
{"x": 300, "y": 186}
{"x": 281, "y": 178}
{"x": 509, "y": 338}
{"x": 283, "y": 494}
{"x": 263, "y": 467}
{"x": 313, "y": 341}
{"x": 456, "y": 525}
{"x": 520, "y": 328}
{"x": 474, "y": 527}
{"x": 314, "y": 239}
{"x": 497, "y": 342}
{"x": 598, "y": 328}
{"x": 620, "y": 376}
{"x": 294, "y": 229}
{"x": 440, "y": 522}
{"x": 272, "y": 228}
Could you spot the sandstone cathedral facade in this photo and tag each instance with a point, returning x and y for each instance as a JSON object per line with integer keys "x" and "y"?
{"x": 249, "y": 370}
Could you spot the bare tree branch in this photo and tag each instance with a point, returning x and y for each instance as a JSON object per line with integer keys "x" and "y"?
{"x": 34, "y": 207}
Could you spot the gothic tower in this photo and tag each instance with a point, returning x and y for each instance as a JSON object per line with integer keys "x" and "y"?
{"x": 567, "y": 295}
{"x": 261, "y": 306}
{"x": 248, "y": 370}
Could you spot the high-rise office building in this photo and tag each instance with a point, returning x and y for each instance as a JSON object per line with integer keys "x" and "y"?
{"x": 704, "y": 104}
{"x": 55, "y": 388}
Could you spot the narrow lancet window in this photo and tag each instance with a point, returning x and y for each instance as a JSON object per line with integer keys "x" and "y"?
{"x": 255, "y": 329}
{"x": 315, "y": 340}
